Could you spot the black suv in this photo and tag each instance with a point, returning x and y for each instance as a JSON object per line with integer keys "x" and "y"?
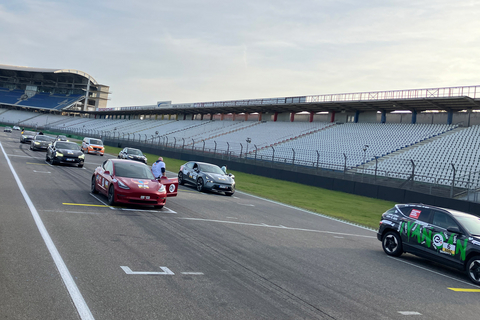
{"x": 443, "y": 235}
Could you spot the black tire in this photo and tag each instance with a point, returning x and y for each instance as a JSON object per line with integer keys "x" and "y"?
{"x": 230, "y": 193}
{"x": 47, "y": 159}
{"x": 200, "y": 184}
{"x": 53, "y": 161}
{"x": 102, "y": 155}
{"x": 111, "y": 195}
{"x": 180, "y": 178}
{"x": 80, "y": 165}
{"x": 392, "y": 244}
{"x": 473, "y": 269}
{"x": 93, "y": 185}
{"x": 31, "y": 147}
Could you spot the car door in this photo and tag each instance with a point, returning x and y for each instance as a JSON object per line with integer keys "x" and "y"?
{"x": 415, "y": 229}
{"x": 188, "y": 171}
{"x": 104, "y": 176}
{"x": 447, "y": 244}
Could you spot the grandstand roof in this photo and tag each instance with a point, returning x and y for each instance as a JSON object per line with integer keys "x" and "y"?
{"x": 448, "y": 99}
{"x": 43, "y": 70}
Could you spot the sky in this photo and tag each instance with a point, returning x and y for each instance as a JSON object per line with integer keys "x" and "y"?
{"x": 207, "y": 50}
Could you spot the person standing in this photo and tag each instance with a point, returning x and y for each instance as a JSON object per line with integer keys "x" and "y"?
{"x": 159, "y": 168}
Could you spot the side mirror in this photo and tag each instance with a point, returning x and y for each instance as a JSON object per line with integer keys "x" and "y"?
{"x": 106, "y": 172}
{"x": 454, "y": 230}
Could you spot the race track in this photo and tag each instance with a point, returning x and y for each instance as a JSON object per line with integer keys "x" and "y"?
{"x": 203, "y": 256}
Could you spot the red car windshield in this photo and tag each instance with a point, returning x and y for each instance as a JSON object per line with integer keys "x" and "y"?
{"x": 130, "y": 169}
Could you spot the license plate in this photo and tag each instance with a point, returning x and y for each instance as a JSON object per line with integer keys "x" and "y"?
{"x": 223, "y": 187}
{"x": 68, "y": 159}
{"x": 145, "y": 197}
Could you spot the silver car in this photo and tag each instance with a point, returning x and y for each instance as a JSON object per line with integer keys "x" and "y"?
{"x": 207, "y": 176}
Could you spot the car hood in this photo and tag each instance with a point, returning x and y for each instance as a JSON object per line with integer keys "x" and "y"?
{"x": 219, "y": 178}
{"x": 140, "y": 184}
{"x": 133, "y": 156}
{"x": 70, "y": 153}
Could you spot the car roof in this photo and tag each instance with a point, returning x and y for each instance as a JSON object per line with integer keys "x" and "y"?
{"x": 451, "y": 211}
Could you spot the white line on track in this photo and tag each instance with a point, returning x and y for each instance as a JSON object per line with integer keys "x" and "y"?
{"x": 279, "y": 227}
{"x": 307, "y": 211}
{"x": 165, "y": 209}
{"x": 67, "y": 278}
{"x": 22, "y": 156}
{"x": 438, "y": 273}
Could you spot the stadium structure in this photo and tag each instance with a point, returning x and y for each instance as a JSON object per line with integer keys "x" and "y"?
{"x": 385, "y": 144}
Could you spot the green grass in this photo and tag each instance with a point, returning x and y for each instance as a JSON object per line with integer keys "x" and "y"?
{"x": 356, "y": 209}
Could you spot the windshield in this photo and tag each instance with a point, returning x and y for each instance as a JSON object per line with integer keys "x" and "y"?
{"x": 96, "y": 141}
{"x": 132, "y": 169}
{"x": 470, "y": 222}
{"x": 68, "y": 145}
{"x": 43, "y": 138}
{"x": 209, "y": 168}
{"x": 135, "y": 152}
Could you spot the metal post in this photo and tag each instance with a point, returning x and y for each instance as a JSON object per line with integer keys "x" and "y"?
{"x": 193, "y": 144}
{"x": 228, "y": 148}
{"x": 183, "y": 145}
{"x": 203, "y": 150}
{"x": 293, "y": 159}
{"x": 273, "y": 154}
{"x": 255, "y": 152}
{"x": 376, "y": 167}
{"x": 215, "y": 150}
{"x": 241, "y": 150}
{"x": 345, "y": 164}
{"x": 174, "y": 142}
{"x": 453, "y": 181}
{"x": 318, "y": 157}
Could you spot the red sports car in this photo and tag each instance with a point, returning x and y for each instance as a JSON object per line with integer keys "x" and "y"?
{"x": 132, "y": 182}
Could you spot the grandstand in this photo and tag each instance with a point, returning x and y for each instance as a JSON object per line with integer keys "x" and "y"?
{"x": 50, "y": 89}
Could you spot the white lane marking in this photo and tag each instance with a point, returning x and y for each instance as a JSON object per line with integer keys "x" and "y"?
{"x": 246, "y": 204}
{"x": 67, "y": 278}
{"x": 410, "y": 313}
{"x": 102, "y": 201}
{"x": 21, "y": 156}
{"x": 338, "y": 237}
{"x": 165, "y": 209}
{"x": 311, "y": 212}
{"x": 166, "y": 271}
{"x": 41, "y": 171}
{"x": 193, "y": 273}
{"x": 279, "y": 227}
{"x": 440, "y": 274}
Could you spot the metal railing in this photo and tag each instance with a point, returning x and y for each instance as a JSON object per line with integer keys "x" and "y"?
{"x": 450, "y": 185}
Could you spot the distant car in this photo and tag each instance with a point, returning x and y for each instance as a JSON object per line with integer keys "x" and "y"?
{"x": 206, "y": 176}
{"x": 61, "y": 138}
{"x": 65, "y": 152}
{"x": 92, "y": 145}
{"x": 7, "y": 129}
{"x": 27, "y": 136}
{"x": 16, "y": 128}
{"x": 40, "y": 142}
{"x": 129, "y": 182}
{"x": 132, "y": 154}
{"x": 443, "y": 235}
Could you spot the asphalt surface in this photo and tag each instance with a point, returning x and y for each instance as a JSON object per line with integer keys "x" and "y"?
{"x": 66, "y": 255}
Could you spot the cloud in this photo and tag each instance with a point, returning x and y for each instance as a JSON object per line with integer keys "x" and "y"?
{"x": 190, "y": 51}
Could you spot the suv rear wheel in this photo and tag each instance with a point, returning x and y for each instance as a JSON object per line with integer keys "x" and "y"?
{"x": 392, "y": 244}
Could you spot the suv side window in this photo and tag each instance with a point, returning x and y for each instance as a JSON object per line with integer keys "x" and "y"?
{"x": 420, "y": 214}
{"x": 443, "y": 220}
